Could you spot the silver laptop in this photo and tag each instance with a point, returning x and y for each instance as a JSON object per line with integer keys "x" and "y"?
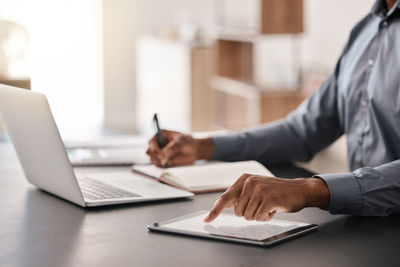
{"x": 45, "y": 162}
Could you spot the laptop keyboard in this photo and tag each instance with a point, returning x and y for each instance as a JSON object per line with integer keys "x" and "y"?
{"x": 96, "y": 190}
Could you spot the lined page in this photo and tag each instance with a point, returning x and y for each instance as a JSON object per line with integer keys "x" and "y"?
{"x": 205, "y": 176}
{"x": 214, "y": 175}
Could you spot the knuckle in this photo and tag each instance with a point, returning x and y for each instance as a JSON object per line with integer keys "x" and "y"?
{"x": 224, "y": 197}
{"x": 251, "y": 181}
{"x": 216, "y": 202}
{"x": 244, "y": 177}
{"x": 258, "y": 189}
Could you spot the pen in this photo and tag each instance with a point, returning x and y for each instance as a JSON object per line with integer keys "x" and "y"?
{"x": 160, "y": 139}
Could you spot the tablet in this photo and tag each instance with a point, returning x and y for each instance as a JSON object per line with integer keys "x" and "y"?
{"x": 229, "y": 227}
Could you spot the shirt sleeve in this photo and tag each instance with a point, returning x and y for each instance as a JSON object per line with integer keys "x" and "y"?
{"x": 367, "y": 191}
{"x": 311, "y": 127}
{"x": 307, "y": 130}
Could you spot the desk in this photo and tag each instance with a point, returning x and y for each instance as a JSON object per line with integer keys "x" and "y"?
{"x": 37, "y": 229}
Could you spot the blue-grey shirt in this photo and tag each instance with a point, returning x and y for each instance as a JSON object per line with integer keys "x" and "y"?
{"x": 361, "y": 99}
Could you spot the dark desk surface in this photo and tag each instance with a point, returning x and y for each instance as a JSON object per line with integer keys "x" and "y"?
{"x": 37, "y": 229}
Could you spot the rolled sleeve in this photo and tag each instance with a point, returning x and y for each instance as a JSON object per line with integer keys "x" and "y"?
{"x": 271, "y": 143}
{"x": 345, "y": 193}
{"x": 224, "y": 146}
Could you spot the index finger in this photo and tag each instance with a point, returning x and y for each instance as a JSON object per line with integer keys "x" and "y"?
{"x": 172, "y": 149}
{"x": 224, "y": 202}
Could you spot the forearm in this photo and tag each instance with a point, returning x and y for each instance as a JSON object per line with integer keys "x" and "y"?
{"x": 311, "y": 127}
{"x": 205, "y": 148}
{"x": 269, "y": 144}
{"x": 317, "y": 193}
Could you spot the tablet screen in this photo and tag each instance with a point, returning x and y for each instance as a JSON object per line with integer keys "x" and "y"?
{"x": 229, "y": 225}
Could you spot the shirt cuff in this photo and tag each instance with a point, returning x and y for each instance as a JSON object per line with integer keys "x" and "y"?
{"x": 345, "y": 193}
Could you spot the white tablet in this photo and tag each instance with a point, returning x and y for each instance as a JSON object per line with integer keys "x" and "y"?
{"x": 236, "y": 229}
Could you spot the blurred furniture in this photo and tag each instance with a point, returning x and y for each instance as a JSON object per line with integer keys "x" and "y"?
{"x": 14, "y": 41}
{"x": 239, "y": 101}
{"x": 21, "y": 83}
{"x": 172, "y": 80}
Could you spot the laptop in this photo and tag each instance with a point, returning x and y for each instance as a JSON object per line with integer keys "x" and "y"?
{"x": 45, "y": 162}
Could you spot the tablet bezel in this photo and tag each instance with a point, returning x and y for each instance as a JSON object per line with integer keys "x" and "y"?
{"x": 158, "y": 227}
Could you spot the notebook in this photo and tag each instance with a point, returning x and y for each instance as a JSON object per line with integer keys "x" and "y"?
{"x": 203, "y": 176}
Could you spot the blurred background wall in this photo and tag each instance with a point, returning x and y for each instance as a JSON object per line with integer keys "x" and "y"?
{"x": 326, "y": 27}
{"x": 64, "y": 56}
{"x": 84, "y": 54}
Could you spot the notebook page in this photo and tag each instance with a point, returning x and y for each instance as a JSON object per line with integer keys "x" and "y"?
{"x": 156, "y": 172}
{"x": 214, "y": 175}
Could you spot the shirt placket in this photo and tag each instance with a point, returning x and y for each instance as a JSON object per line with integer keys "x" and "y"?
{"x": 364, "y": 101}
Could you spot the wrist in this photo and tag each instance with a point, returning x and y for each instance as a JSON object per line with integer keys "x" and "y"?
{"x": 317, "y": 193}
{"x": 204, "y": 148}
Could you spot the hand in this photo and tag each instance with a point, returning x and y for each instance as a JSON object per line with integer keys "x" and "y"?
{"x": 259, "y": 197}
{"x": 180, "y": 149}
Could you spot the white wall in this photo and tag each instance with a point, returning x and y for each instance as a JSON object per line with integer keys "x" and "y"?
{"x": 327, "y": 27}
{"x": 65, "y": 57}
{"x": 124, "y": 22}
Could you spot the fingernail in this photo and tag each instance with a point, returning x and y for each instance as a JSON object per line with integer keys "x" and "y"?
{"x": 206, "y": 218}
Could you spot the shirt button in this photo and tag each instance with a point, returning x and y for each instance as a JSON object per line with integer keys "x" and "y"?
{"x": 384, "y": 23}
{"x": 364, "y": 103}
{"x": 371, "y": 62}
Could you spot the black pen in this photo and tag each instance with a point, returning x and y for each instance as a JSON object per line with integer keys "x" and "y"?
{"x": 160, "y": 139}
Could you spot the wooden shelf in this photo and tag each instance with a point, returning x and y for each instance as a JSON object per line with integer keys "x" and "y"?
{"x": 281, "y": 16}
{"x": 235, "y": 59}
{"x": 21, "y": 83}
{"x": 277, "y": 105}
{"x": 239, "y": 102}
{"x": 234, "y": 87}
{"x": 236, "y": 36}
{"x": 272, "y": 17}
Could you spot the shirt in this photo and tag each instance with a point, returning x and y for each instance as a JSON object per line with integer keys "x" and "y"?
{"x": 361, "y": 99}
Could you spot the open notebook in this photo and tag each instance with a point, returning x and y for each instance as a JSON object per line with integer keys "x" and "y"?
{"x": 203, "y": 177}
